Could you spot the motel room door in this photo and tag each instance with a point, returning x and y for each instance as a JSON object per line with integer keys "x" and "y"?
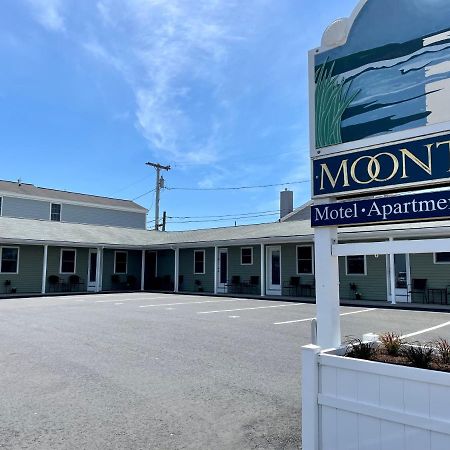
{"x": 92, "y": 271}
{"x": 151, "y": 270}
{"x": 402, "y": 278}
{"x": 222, "y": 275}
{"x": 273, "y": 270}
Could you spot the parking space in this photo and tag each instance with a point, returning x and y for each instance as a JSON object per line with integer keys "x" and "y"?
{"x": 146, "y": 370}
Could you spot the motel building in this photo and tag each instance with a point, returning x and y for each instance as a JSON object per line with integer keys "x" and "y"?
{"x": 57, "y": 242}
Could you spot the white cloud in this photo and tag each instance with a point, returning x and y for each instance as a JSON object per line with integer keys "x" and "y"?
{"x": 48, "y": 13}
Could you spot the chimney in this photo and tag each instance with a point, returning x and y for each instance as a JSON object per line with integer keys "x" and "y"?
{"x": 286, "y": 203}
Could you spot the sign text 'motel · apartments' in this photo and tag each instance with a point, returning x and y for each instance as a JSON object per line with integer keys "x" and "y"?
{"x": 412, "y": 163}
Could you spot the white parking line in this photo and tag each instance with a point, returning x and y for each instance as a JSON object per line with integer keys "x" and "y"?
{"x": 426, "y": 330}
{"x": 130, "y": 299}
{"x": 119, "y": 303}
{"x": 196, "y": 303}
{"x": 312, "y": 318}
{"x": 248, "y": 309}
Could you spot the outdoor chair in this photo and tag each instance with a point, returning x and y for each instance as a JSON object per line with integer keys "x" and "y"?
{"x": 292, "y": 286}
{"x": 419, "y": 286}
{"x": 307, "y": 289}
{"x": 54, "y": 283}
{"x": 254, "y": 284}
{"x": 131, "y": 282}
{"x": 235, "y": 286}
{"x": 75, "y": 283}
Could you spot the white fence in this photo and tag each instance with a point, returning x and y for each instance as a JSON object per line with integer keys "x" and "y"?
{"x": 353, "y": 404}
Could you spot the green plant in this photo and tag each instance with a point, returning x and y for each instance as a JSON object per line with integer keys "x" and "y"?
{"x": 333, "y": 97}
{"x": 442, "y": 347}
{"x": 358, "y": 349}
{"x": 419, "y": 355}
{"x": 392, "y": 343}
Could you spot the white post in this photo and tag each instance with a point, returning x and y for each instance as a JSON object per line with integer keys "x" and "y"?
{"x": 98, "y": 270}
{"x": 143, "y": 270}
{"x": 216, "y": 267}
{"x": 310, "y": 393}
{"x": 263, "y": 273}
{"x": 392, "y": 275}
{"x": 44, "y": 269}
{"x": 177, "y": 270}
{"x": 327, "y": 288}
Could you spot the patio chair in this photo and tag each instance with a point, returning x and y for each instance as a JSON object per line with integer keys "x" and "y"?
{"x": 74, "y": 283}
{"x": 254, "y": 284}
{"x": 419, "y": 286}
{"x": 235, "y": 286}
{"x": 292, "y": 286}
{"x": 54, "y": 283}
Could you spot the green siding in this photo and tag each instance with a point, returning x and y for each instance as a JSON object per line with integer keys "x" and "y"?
{"x": 29, "y": 278}
{"x": 372, "y": 286}
{"x": 187, "y": 270}
{"x": 53, "y": 264}
{"x": 166, "y": 263}
{"x": 289, "y": 266}
{"x": 423, "y": 266}
{"x": 133, "y": 267}
{"x": 235, "y": 268}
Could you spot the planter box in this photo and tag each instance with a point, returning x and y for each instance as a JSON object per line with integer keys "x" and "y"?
{"x": 372, "y": 405}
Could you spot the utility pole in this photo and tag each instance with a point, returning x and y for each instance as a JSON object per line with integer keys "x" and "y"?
{"x": 159, "y": 185}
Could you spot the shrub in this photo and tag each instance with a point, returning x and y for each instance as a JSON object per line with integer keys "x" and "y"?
{"x": 419, "y": 355}
{"x": 392, "y": 343}
{"x": 358, "y": 349}
{"x": 442, "y": 347}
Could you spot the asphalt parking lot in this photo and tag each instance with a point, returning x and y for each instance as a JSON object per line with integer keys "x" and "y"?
{"x": 155, "y": 371}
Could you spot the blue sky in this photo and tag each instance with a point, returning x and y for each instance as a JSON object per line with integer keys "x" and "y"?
{"x": 91, "y": 90}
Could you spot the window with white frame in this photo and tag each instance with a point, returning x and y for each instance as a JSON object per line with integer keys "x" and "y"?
{"x": 55, "y": 212}
{"x": 121, "y": 262}
{"x": 68, "y": 261}
{"x": 356, "y": 265}
{"x": 246, "y": 256}
{"x": 199, "y": 262}
{"x": 305, "y": 260}
{"x": 442, "y": 258}
{"x": 9, "y": 260}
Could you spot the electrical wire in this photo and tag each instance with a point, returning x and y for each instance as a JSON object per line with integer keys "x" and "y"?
{"x": 143, "y": 195}
{"x": 235, "y": 188}
{"x": 275, "y": 211}
{"x": 225, "y": 219}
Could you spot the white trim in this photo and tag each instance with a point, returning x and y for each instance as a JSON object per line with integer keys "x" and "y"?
{"x": 1, "y": 205}
{"x": 60, "y": 212}
{"x": 221, "y": 250}
{"x": 44, "y": 270}
{"x": 204, "y": 262}
{"x": 311, "y": 246}
{"x": 74, "y": 262}
{"x": 71, "y": 202}
{"x": 439, "y": 262}
{"x": 262, "y": 270}
{"x": 356, "y": 274}
{"x": 176, "y": 270}
{"x": 94, "y": 287}
{"x": 269, "y": 289}
{"x": 216, "y": 267}
{"x": 143, "y": 270}
{"x": 126, "y": 262}
{"x": 1, "y": 260}
{"x": 251, "y": 256}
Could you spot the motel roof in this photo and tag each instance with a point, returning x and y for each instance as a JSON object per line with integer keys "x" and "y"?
{"x": 41, "y": 232}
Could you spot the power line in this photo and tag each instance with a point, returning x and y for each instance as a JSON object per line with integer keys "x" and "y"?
{"x": 129, "y": 185}
{"x": 235, "y": 188}
{"x": 142, "y": 195}
{"x": 226, "y": 219}
{"x": 226, "y": 215}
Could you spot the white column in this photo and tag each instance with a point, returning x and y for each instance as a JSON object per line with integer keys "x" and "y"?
{"x": 143, "y": 270}
{"x": 263, "y": 271}
{"x": 44, "y": 269}
{"x": 392, "y": 275}
{"x": 327, "y": 288}
{"x": 310, "y": 393}
{"x": 100, "y": 284}
{"x": 98, "y": 270}
{"x": 177, "y": 270}
{"x": 216, "y": 267}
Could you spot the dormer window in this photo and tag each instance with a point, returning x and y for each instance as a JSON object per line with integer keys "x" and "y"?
{"x": 55, "y": 212}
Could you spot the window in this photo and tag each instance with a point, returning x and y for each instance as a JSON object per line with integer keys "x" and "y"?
{"x": 68, "y": 261}
{"x": 199, "y": 261}
{"x": 10, "y": 260}
{"x": 246, "y": 256}
{"x": 305, "y": 260}
{"x": 120, "y": 262}
{"x": 55, "y": 212}
{"x": 442, "y": 258}
{"x": 356, "y": 265}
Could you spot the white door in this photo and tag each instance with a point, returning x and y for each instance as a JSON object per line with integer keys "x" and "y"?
{"x": 222, "y": 275}
{"x": 402, "y": 278}
{"x": 273, "y": 275}
{"x": 92, "y": 271}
